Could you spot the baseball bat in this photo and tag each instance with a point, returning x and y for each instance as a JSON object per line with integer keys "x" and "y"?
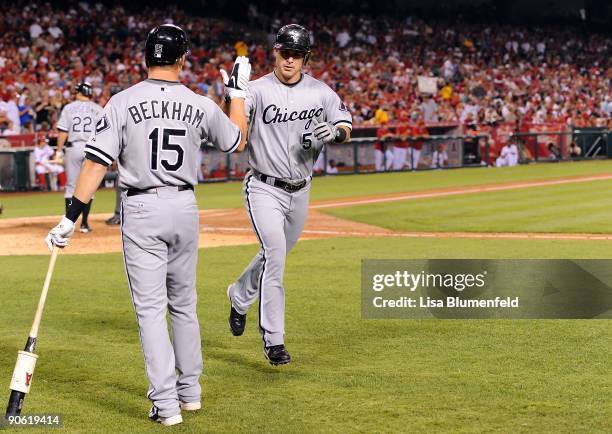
{"x": 26, "y": 359}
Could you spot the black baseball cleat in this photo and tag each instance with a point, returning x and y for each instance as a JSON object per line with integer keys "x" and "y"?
{"x": 277, "y": 355}
{"x": 85, "y": 229}
{"x": 114, "y": 220}
{"x": 236, "y": 322}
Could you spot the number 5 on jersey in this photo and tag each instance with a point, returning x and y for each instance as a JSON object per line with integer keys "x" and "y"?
{"x": 167, "y": 135}
{"x": 306, "y": 141}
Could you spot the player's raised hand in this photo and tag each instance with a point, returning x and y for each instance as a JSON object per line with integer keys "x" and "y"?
{"x": 60, "y": 234}
{"x": 325, "y": 131}
{"x": 237, "y": 82}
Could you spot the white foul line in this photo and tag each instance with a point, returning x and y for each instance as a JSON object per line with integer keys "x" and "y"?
{"x": 468, "y": 190}
{"x": 486, "y": 235}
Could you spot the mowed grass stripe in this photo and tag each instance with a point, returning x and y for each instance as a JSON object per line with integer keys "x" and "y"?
{"x": 349, "y": 375}
{"x": 333, "y": 187}
{"x": 568, "y": 208}
{"x": 229, "y": 195}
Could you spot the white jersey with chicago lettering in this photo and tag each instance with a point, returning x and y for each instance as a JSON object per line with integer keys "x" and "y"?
{"x": 281, "y": 139}
{"x": 79, "y": 119}
{"x": 154, "y": 129}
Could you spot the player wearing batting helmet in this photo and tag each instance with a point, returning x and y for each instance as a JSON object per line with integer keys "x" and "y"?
{"x": 166, "y": 44}
{"x": 153, "y": 131}
{"x": 292, "y": 116}
{"x": 294, "y": 37}
{"x": 84, "y": 88}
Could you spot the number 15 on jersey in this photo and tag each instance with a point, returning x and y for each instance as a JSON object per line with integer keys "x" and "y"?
{"x": 158, "y": 156}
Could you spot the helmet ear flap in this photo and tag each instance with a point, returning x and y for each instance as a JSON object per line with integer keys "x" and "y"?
{"x": 306, "y": 58}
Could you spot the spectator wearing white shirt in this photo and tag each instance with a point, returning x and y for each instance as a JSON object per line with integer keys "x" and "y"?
{"x": 12, "y": 112}
{"x": 343, "y": 38}
{"x": 508, "y": 156}
{"x": 55, "y": 31}
{"x": 439, "y": 158}
{"x": 35, "y": 30}
{"x": 42, "y": 154}
{"x": 606, "y": 105}
{"x": 6, "y": 125}
{"x": 513, "y": 155}
{"x": 526, "y": 47}
{"x": 429, "y": 108}
{"x": 470, "y": 110}
{"x": 332, "y": 168}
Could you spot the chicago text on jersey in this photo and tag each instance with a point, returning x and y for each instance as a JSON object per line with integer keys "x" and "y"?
{"x": 272, "y": 114}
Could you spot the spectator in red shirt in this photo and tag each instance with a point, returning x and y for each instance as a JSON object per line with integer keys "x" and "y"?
{"x": 418, "y": 131}
{"x": 400, "y": 147}
{"x": 383, "y": 156}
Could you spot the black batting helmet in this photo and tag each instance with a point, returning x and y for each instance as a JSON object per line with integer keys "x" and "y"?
{"x": 84, "y": 88}
{"x": 165, "y": 45}
{"x": 294, "y": 37}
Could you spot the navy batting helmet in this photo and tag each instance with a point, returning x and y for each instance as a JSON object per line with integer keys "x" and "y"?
{"x": 294, "y": 37}
{"x": 165, "y": 45}
{"x": 84, "y": 88}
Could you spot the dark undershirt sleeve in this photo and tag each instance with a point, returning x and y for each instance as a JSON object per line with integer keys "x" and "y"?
{"x": 96, "y": 159}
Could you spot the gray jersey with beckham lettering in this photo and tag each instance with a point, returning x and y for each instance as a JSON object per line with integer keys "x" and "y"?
{"x": 79, "y": 119}
{"x": 281, "y": 139}
{"x": 155, "y": 128}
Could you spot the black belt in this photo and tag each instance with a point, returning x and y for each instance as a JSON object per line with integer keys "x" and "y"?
{"x": 289, "y": 187}
{"x": 135, "y": 191}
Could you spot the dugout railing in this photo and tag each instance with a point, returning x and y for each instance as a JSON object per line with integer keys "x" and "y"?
{"x": 368, "y": 155}
{"x": 573, "y": 145}
{"x": 474, "y": 150}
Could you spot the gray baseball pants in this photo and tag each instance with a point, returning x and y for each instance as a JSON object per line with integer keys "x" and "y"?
{"x": 160, "y": 234}
{"x": 73, "y": 161}
{"x": 278, "y": 218}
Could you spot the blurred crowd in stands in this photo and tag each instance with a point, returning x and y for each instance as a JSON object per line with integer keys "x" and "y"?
{"x": 480, "y": 74}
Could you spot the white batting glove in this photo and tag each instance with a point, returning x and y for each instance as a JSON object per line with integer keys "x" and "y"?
{"x": 60, "y": 234}
{"x": 325, "y": 131}
{"x": 237, "y": 82}
{"x": 59, "y": 155}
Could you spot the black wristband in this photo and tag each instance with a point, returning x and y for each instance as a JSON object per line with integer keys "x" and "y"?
{"x": 340, "y": 135}
{"x": 75, "y": 209}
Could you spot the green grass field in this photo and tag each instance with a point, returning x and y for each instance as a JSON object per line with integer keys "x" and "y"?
{"x": 581, "y": 207}
{"x": 349, "y": 374}
{"x": 228, "y": 195}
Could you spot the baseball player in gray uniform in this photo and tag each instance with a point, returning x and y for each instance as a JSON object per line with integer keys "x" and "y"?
{"x": 76, "y": 124}
{"x": 292, "y": 115}
{"x": 154, "y": 130}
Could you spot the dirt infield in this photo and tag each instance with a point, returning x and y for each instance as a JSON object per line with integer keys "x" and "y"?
{"x": 229, "y": 227}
